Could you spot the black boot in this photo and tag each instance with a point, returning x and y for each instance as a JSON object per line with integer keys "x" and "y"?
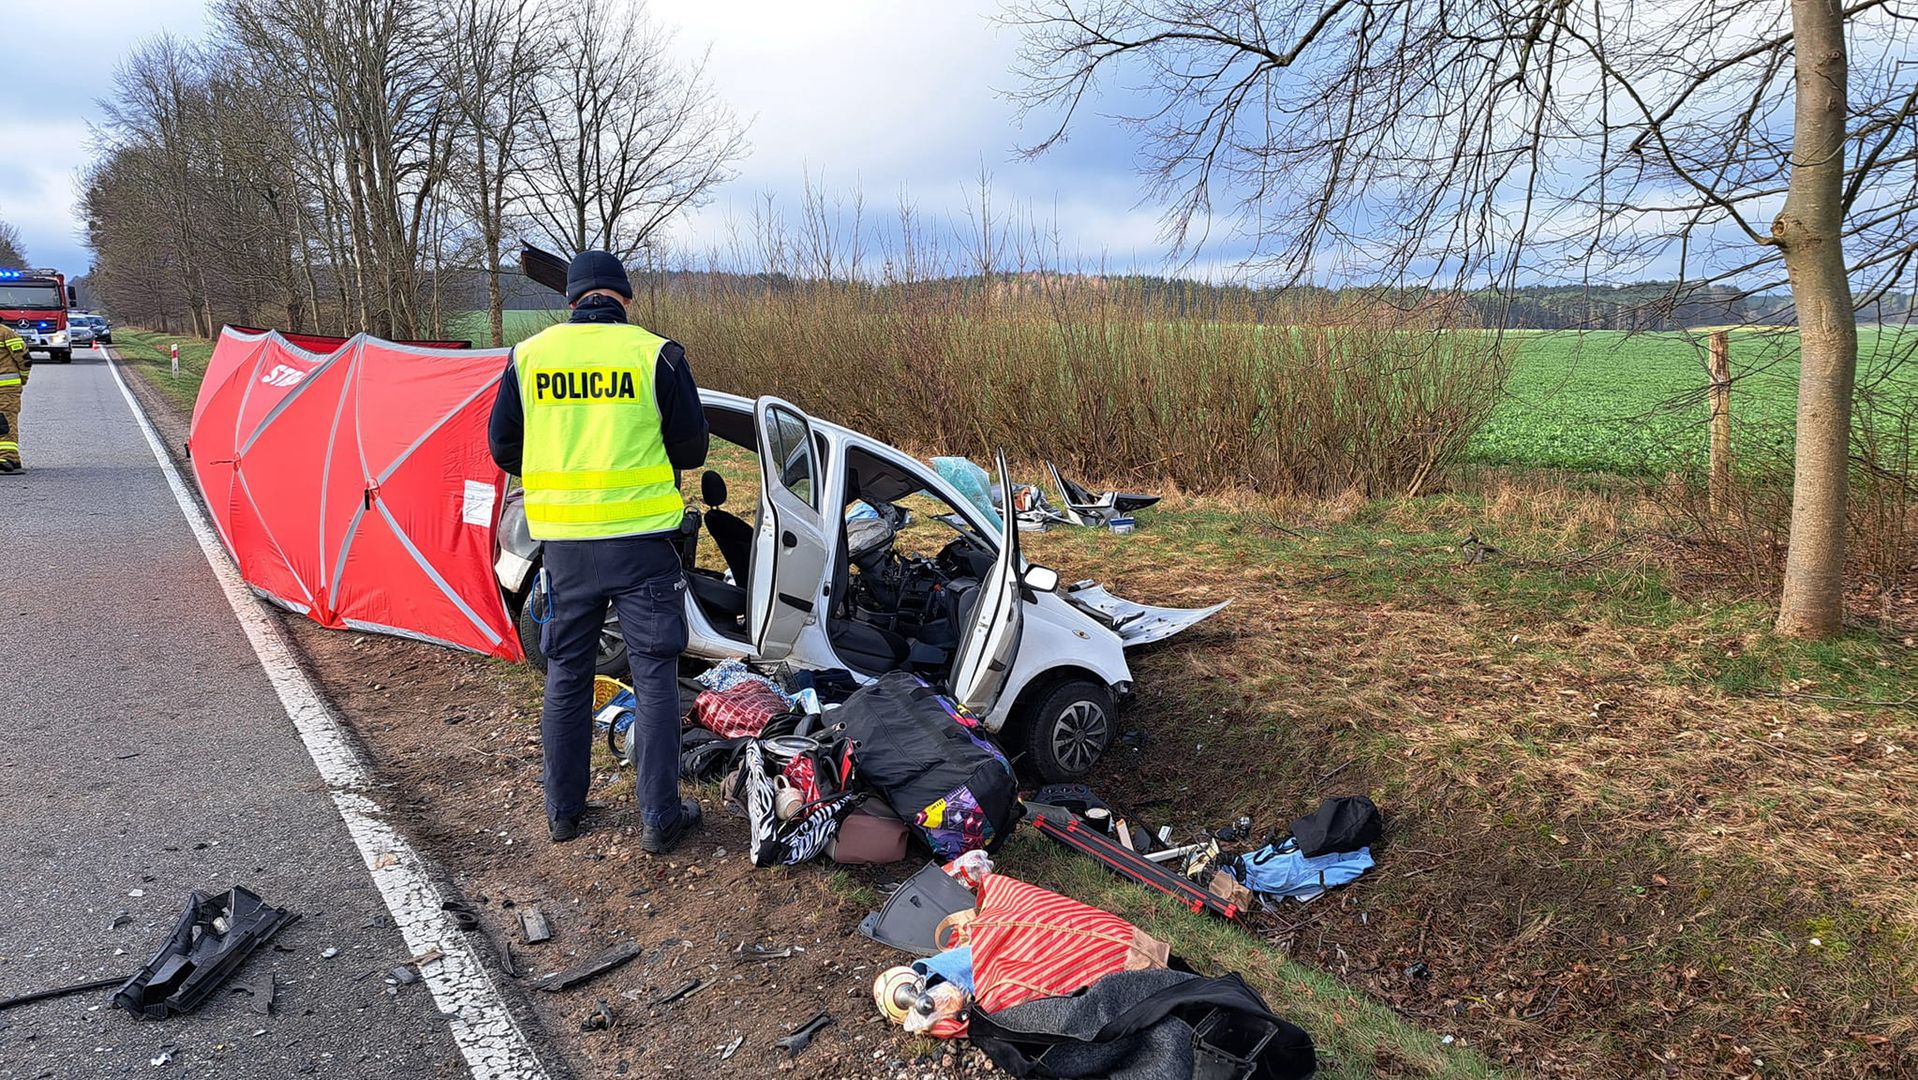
{"x": 661, "y": 839}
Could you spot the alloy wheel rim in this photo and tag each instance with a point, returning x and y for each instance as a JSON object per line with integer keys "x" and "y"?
{"x": 1079, "y": 735}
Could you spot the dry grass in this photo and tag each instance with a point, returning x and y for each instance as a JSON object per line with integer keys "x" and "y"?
{"x": 1104, "y": 376}
{"x": 1590, "y": 801}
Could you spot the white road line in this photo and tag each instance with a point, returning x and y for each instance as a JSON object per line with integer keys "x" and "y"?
{"x": 489, "y": 1037}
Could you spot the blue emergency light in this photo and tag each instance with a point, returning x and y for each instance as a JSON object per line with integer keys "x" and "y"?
{"x": 10, "y": 275}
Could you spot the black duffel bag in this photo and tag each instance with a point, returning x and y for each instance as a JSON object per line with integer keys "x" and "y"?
{"x": 932, "y": 762}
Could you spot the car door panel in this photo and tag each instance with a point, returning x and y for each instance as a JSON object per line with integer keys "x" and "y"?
{"x": 789, "y": 547}
{"x": 991, "y": 640}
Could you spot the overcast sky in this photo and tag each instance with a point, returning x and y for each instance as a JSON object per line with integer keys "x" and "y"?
{"x": 846, "y": 89}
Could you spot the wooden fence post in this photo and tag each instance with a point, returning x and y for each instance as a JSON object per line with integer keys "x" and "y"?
{"x": 1720, "y": 363}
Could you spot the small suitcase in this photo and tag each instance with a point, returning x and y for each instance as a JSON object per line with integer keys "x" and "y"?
{"x": 869, "y": 836}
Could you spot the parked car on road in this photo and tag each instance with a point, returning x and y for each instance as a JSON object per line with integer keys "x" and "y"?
{"x": 97, "y": 327}
{"x": 862, "y": 557}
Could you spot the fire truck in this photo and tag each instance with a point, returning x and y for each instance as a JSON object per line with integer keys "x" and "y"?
{"x": 34, "y": 303}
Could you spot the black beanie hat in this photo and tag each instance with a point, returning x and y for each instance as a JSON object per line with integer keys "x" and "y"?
{"x": 591, "y": 270}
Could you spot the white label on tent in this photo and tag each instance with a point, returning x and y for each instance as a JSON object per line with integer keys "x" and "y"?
{"x": 477, "y": 508}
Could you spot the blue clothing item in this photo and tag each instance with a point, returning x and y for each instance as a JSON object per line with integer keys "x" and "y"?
{"x": 1284, "y": 871}
{"x": 640, "y": 577}
{"x": 953, "y": 965}
{"x": 727, "y": 674}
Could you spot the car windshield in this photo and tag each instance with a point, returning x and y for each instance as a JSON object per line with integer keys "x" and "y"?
{"x": 31, "y": 297}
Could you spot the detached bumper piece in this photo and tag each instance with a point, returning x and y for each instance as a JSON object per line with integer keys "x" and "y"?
{"x": 213, "y": 938}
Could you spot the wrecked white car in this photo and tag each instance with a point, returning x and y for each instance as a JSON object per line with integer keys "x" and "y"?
{"x": 861, "y": 557}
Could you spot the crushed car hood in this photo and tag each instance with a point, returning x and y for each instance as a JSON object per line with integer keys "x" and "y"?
{"x": 1136, "y": 624}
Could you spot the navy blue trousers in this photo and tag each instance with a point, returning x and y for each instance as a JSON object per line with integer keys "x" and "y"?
{"x": 640, "y": 578}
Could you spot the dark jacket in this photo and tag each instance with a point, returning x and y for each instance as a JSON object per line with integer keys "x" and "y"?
{"x": 682, "y": 421}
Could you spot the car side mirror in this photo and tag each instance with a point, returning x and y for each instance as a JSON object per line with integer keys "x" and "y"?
{"x": 1041, "y": 578}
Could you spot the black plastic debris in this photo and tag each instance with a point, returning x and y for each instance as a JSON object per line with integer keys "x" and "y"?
{"x": 533, "y": 924}
{"x": 60, "y": 991}
{"x": 213, "y": 938}
{"x": 586, "y": 969}
{"x": 909, "y": 917}
{"x": 685, "y": 990}
{"x": 802, "y": 1036}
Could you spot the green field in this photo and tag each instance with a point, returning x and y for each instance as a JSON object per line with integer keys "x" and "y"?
{"x": 1609, "y": 401}
{"x": 1634, "y": 403}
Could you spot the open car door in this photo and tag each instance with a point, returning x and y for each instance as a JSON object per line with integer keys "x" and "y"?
{"x": 991, "y": 638}
{"x": 789, "y": 550}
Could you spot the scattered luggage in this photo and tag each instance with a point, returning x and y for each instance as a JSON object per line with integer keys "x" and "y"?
{"x": 910, "y": 917}
{"x": 871, "y": 835}
{"x": 1284, "y": 870}
{"x": 773, "y": 841}
{"x": 1030, "y": 942}
{"x": 1348, "y": 823}
{"x": 744, "y": 708}
{"x": 1147, "y": 1025}
{"x": 929, "y": 759}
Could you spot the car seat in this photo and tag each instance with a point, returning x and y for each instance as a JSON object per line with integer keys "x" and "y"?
{"x": 864, "y": 647}
{"x": 732, "y": 535}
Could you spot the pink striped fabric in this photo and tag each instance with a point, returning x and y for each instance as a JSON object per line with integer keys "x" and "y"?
{"x": 1030, "y": 943}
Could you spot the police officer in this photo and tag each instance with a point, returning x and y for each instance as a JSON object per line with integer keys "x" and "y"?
{"x": 596, "y": 415}
{"x": 13, "y": 379}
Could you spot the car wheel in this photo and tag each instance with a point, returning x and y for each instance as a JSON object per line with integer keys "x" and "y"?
{"x": 612, "y": 650}
{"x": 1066, "y": 730}
{"x": 611, "y": 656}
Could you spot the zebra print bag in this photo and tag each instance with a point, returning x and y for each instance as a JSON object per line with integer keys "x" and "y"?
{"x": 786, "y": 843}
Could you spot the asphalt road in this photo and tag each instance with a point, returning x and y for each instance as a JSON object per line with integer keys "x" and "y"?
{"x": 143, "y": 754}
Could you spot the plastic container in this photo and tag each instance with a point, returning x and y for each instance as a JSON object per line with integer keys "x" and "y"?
{"x": 1120, "y": 525}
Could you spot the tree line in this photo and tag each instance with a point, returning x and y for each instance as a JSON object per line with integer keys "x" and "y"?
{"x": 353, "y": 163}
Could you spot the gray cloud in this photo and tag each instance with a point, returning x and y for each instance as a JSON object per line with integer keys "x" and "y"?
{"x": 862, "y": 93}
{"x": 47, "y": 101}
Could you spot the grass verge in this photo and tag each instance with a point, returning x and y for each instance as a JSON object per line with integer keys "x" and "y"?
{"x": 147, "y": 352}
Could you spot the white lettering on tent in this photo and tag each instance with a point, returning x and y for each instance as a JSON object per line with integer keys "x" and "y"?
{"x": 477, "y": 507}
{"x": 282, "y": 375}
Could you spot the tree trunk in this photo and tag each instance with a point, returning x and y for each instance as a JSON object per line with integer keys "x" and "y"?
{"x": 1809, "y": 230}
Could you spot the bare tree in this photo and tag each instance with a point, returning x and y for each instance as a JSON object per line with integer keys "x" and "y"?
{"x": 1488, "y": 141}
{"x": 492, "y": 57}
{"x": 378, "y": 125}
{"x": 12, "y": 251}
{"x": 625, "y": 134}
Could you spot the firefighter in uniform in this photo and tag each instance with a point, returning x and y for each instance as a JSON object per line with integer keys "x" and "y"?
{"x": 596, "y": 416}
{"x": 13, "y": 379}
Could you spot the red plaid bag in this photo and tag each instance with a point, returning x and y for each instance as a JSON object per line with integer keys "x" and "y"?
{"x": 745, "y": 709}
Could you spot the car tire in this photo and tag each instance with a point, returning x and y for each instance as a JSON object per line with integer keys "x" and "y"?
{"x": 612, "y": 647}
{"x": 1066, "y": 729}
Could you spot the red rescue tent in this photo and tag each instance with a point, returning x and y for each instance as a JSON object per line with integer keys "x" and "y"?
{"x": 350, "y": 481}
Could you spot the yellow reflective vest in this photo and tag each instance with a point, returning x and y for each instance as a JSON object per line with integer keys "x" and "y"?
{"x": 594, "y": 464}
